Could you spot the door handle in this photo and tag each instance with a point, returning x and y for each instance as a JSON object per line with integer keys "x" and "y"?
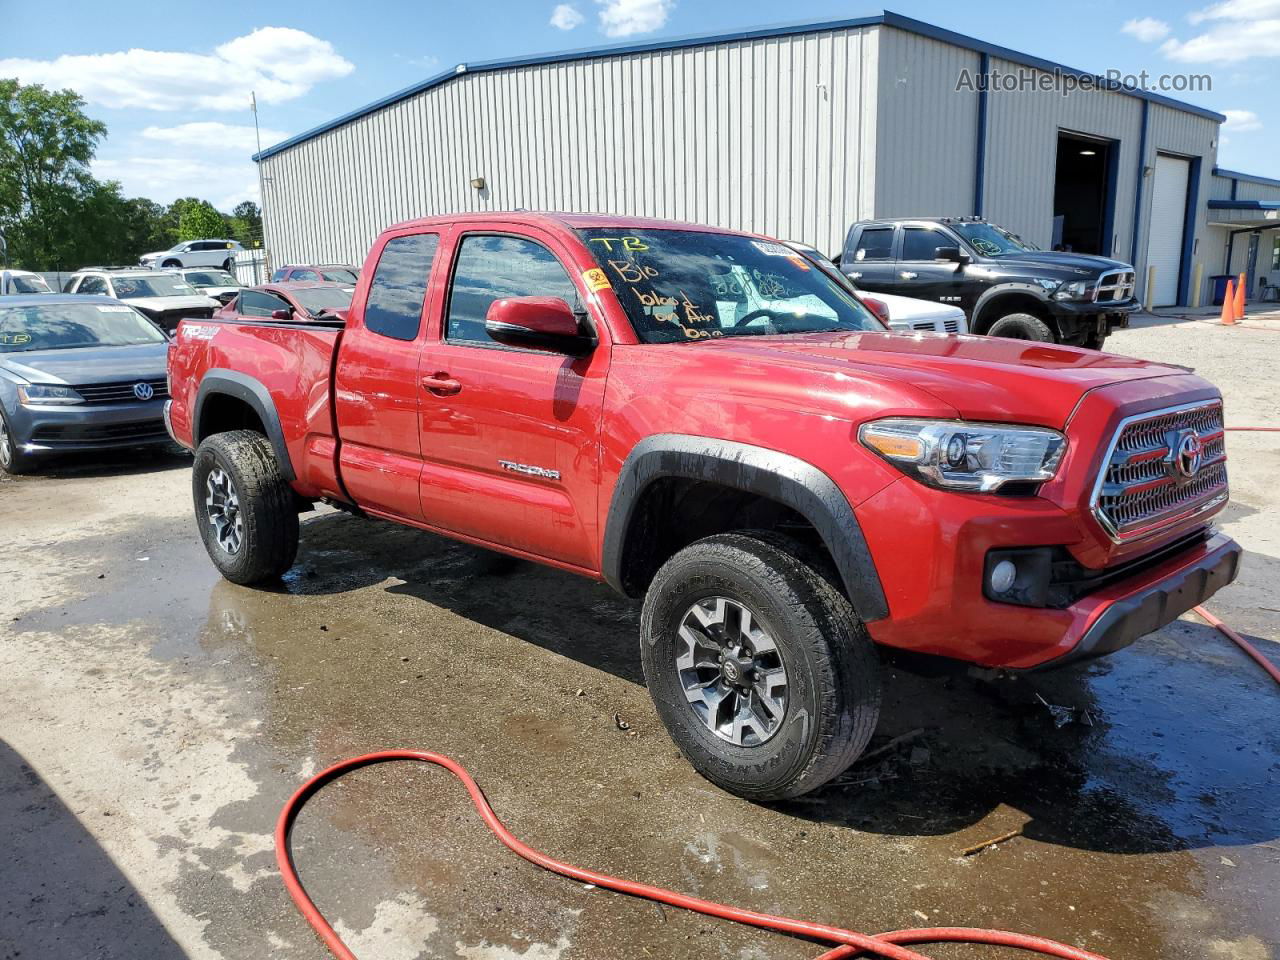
{"x": 441, "y": 384}
{"x": 907, "y": 275}
{"x": 855, "y": 276}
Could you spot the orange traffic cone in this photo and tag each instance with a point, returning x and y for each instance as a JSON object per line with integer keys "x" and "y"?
{"x": 1240, "y": 298}
{"x": 1229, "y": 305}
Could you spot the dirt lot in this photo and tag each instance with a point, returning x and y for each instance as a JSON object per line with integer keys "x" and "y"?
{"x": 154, "y": 719}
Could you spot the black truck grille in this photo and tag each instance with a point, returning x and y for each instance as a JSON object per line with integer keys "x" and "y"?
{"x": 123, "y": 392}
{"x": 1164, "y": 467}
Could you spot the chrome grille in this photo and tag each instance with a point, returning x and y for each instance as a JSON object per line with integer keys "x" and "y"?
{"x": 1142, "y": 490}
{"x": 121, "y": 392}
{"x": 1114, "y": 287}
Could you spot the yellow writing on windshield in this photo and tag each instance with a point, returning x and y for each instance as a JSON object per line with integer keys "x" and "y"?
{"x": 625, "y": 243}
{"x": 14, "y": 339}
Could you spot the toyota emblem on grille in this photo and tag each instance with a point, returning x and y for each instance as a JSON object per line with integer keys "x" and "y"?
{"x": 1187, "y": 453}
{"x": 143, "y": 391}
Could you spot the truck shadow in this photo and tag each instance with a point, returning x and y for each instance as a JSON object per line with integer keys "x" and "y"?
{"x": 1166, "y": 746}
{"x": 61, "y": 894}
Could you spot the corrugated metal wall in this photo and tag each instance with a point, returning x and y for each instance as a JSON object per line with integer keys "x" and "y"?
{"x": 775, "y": 135}
{"x": 1022, "y": 144}
{"x": 926, "y": 153}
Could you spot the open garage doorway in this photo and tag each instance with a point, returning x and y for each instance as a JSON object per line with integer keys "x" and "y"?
{"x": 1084, "y": 194}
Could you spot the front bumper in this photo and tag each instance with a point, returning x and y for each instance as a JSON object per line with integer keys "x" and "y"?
{"x": 51, "y": 429}
{"x": 930, "y": 549}
{"x": 1115, "y": 619}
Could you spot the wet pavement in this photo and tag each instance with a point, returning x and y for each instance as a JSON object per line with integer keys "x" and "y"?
{"x": 155, "y": 718}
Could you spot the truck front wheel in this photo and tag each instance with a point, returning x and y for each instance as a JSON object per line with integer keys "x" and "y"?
{"x": 1022, "y": 326}
{"x": 761, "y": 671}
{"x": 245, "y": 508}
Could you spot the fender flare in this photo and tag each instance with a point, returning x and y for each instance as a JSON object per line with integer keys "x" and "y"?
{"x": 1026, "y": 288}
{"x": 771, "y": 474}
{"x": 221, "y": 382}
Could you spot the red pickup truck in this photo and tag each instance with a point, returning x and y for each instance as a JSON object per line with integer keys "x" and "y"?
{"x": 700, "y": 418}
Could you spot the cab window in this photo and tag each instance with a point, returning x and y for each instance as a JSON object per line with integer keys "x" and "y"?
{"x": 876, "y": 243}
{"x": 399, "y": 287}
{"x": 921, "y": 244}
{"x": 491, "y": 267}
{"x": 92, "y": 285}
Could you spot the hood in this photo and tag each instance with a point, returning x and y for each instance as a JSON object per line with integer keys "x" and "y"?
{"x": 168, "y": 304}
{"x": 982, "y": 378}
{"x": 216, "y": 292}
{"x": 1068, "y": 264}
{"x": 153, "y": 255}
{"x": 144, "y": 361}
{"x": 909, "y": 308}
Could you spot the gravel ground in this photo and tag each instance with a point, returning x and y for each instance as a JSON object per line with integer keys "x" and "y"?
{"x": 155, "y": 718}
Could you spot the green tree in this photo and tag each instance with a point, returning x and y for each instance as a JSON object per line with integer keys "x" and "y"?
{"x": 246, "y": 223}
{"x": 46, "y": 145}
{"x": 199, "y": 220}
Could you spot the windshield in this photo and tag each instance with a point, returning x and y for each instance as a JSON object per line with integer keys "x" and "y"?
{"x": 316, "y": 299}
{"x": 210, "y": 278}
{"x": 339, "y": 274}
{"x": 990, "y": 240}
{"x": 28, "y": 284}
{"x": 155, "y": 285}
{"x": 678, "y": 285}
{"x": 65, "y": 326}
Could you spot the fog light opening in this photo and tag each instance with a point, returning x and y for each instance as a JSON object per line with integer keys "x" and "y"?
{"x": 1003, "y": 575}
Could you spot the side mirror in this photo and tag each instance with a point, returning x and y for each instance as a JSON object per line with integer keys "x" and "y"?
{"x": 281, "y": 314}
{"x": 950, "y": 254}
{"x": 537, "y": 323}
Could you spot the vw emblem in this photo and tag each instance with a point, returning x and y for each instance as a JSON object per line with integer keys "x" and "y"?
{"x": 143, "y": 391}
{"x": 1187, "y": 454}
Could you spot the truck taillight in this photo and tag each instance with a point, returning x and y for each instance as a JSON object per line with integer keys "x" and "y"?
{"x": 878, "y": 307}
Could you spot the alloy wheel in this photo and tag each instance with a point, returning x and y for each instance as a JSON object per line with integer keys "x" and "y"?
{"x": 731, "y": 671}
{"x": 6, "y": 445}
{"x": 222, "y": 505}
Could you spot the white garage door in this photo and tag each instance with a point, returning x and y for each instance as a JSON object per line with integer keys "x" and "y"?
{"x": 1168, "y": 215}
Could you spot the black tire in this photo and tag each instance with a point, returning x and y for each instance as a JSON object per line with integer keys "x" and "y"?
{"x": 832, "y": 670}
{"x": 172, "y": 263}
{"x": 228, "y": 265}
{"x": 1022, "y": 326}
{"x": 268, "y": 532}
{"x": 12, "y": 460}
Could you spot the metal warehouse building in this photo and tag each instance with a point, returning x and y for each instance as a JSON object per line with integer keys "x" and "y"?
{"x": 791, "y": 131}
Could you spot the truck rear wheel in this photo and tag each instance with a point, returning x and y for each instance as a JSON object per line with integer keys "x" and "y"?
{"x": 761, "y": 671}
{"x": 1022, "y": 326}
{"x": 245, "y": 508}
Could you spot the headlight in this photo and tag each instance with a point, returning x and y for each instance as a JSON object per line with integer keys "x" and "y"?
{"x": 47, "y": 394}
{"x": 1075, "y": 290}
{"x": 954, "y": 455}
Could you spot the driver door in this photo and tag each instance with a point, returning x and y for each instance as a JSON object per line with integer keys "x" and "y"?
{"x": 510, "y": 436}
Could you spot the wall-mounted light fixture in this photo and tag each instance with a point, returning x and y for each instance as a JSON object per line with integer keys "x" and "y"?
{"x": 478, "y": 182}
{"x": 1088, "y": 153}
{"x": 1147, "y": 171}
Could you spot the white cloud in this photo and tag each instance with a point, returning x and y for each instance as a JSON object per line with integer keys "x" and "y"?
{"x": 1238, "y": 30}
{"x": 165, "y": 178}
{"x": 565, "y": 16}
{"x": 279, "y": 63}
{"x": 1241, "y": 121}
{"x": 623, "y": 18}
{"x": 1237, "y": 10}
{"x": 1147, "y": 29}
{"x": 208, "y": 136}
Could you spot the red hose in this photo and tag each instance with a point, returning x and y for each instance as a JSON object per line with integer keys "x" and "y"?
{"x": 1241, "y": 642}
{"x": 848, "y": 942}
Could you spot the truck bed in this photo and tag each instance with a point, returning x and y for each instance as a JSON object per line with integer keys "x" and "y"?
{"x": 293, "y": 361}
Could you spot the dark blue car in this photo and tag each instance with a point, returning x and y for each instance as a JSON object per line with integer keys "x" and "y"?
{"x": 77, "y": 373}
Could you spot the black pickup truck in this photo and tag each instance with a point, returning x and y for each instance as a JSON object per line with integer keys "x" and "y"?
{"x": 1006, "y": 287}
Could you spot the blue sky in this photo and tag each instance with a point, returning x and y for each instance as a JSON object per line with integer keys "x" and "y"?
{"x": 173, "y": 85}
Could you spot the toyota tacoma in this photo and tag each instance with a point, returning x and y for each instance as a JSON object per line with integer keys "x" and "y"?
{"x": 702, "y": 419}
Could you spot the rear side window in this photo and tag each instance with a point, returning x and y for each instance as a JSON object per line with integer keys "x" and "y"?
{"x": 490, "y": 268}
{"x": 876, "y": 243}
{"x": 921, "y": 244}
{"x": 92, "y": 285}
{"x": 255, "y": 303}
{"x": 394, "y": 306}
